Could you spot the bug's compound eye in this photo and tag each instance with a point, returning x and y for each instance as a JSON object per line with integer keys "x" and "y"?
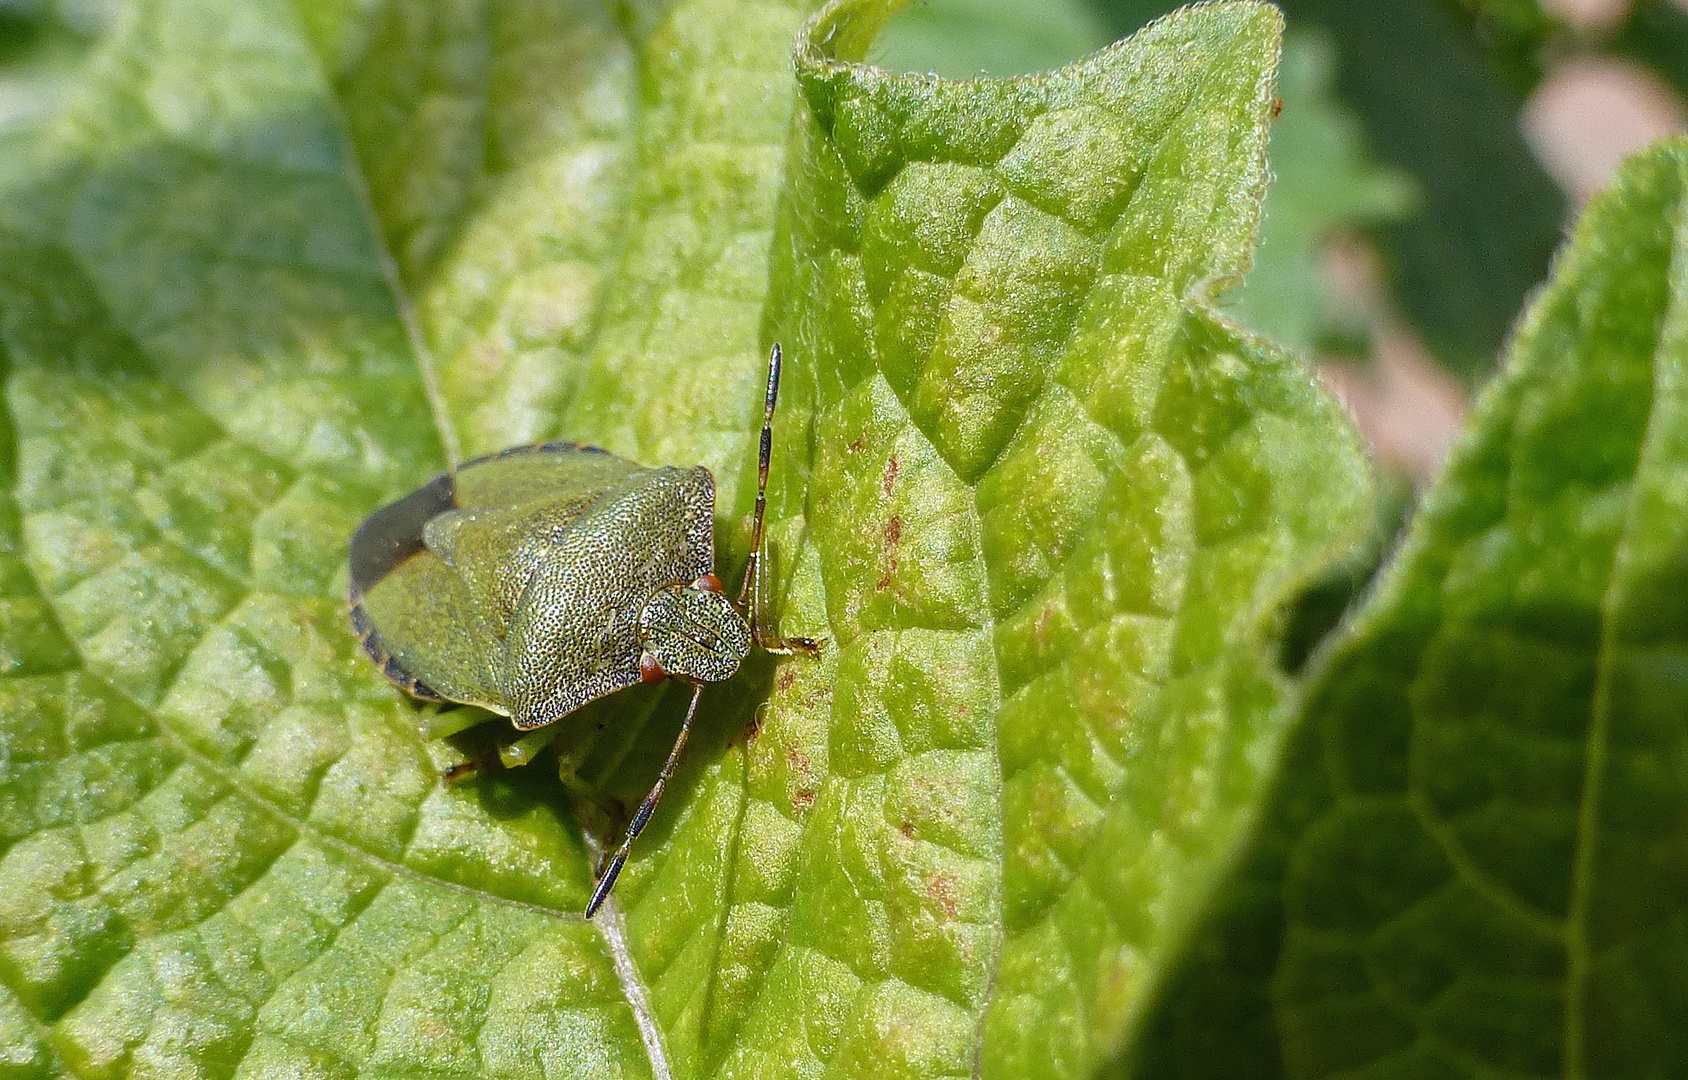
{"x": 707, "y": 583}
{"x": 650, "y": 669}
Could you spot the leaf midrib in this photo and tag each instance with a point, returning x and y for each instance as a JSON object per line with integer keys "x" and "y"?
{"x": 627, "y": 972}
{"x": 404, "y": 308}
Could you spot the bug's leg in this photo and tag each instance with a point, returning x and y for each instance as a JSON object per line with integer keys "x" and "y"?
{"x": 524, "y": 748}
{"x": 435, "y": 722}
{"x": 751, "y": 589}
{"x": 511, "y": 753}
{"x": 613, "y": 869}
{"x": 615, "y": 820}
{"x": 467, "y": 768}
{"x": 765, "y": 638}
{"x": 436, "y": 725}
{"x": 606, "y": 814}
{"x": 789, "y": 646}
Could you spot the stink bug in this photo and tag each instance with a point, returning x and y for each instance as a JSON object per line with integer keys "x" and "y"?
{"x": 534, "y": 580}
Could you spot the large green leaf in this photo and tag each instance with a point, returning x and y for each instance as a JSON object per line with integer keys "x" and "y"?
{"x": 275, "y": 265}
{"x": 1476, "y": 860}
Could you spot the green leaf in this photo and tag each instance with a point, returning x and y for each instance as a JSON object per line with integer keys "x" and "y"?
{"x": 276, "y": 265}
{"x": 1472, "y": 863}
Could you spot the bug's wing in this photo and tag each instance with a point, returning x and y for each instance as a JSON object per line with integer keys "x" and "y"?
{"x": 495, "y": 550}
{"x": 425, "y": 593}
{"x": 421, "y": 614}
{"x": 574, "y": 635}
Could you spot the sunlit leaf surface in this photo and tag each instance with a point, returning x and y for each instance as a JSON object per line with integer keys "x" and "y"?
{"x": 278, "y": 264}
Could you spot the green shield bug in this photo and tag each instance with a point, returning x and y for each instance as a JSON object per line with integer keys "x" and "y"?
{"x": 536, "y": 579}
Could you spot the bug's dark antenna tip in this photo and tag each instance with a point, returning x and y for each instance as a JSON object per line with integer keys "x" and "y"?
{"x": 605, "y": 884}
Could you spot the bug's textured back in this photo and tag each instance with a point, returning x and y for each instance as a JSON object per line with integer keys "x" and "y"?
{"x": 574, "y": 635}
{"x": 420, "y": 616}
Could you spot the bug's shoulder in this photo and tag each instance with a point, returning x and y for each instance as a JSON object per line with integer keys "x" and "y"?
{"x": 655, "y": 528}
{"x": 542, "y": 472}
{"x": 574, "y": 634}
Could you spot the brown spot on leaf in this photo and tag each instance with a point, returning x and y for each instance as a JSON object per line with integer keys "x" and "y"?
{"x": 786, "y": 679}
{"x": 941, "y": 891}
{"x": 889, "y": 480}
{"x": 803, "y": 792}
{"x": 857, "y": 446}
{"x": 893, "y": 529}
{"x": 1041, "y": 629}
{"x": 752, "y": 727}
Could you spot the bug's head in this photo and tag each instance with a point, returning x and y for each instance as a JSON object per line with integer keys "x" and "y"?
{"x": 692, "y": 632}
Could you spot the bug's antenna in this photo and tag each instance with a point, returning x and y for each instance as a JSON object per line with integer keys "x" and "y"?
{"x": 767, "y": 449}
{"x": 619, "y": 859}
{"x": 750, "y": 592}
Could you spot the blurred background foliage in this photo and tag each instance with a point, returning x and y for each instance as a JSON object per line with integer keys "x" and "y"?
{"x": 1428, "y": 159}
{"x": 41, "y": 44}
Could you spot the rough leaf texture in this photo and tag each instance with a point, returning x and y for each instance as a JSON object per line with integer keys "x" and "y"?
{"x": 278, "y": 264}
{"x": 1474, "y": 863}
